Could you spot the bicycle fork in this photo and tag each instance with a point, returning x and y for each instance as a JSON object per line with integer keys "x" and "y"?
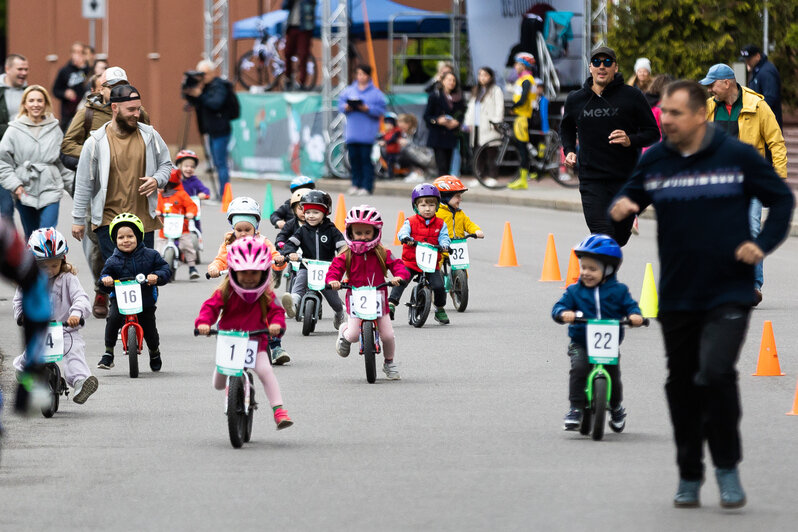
{"x": 247, "y": 386}
{"x": 598, "y": 372}
{"x": 377, "y": 348}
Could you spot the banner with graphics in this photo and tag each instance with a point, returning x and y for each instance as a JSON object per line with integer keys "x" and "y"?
{"x": 281, "y": 134}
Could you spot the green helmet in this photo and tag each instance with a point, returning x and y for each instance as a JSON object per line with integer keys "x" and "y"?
{"x": 129, "y": 220}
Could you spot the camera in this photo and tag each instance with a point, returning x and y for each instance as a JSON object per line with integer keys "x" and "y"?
{"x": 191, "y": 78}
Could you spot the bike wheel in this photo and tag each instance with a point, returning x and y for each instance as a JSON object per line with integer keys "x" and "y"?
{"x": 251, "y": 71}
{"x": 308, "y": 317}
{"x": 496, "y": 163}
{"x": 554, "y": 165}
{"x": 599, "y": 407}
{"x": 250, "y": 414}
{"x": 460, "y": 290}
{"x": 195, "y": 243}
{"x": 133, "y": 352}
{"x": 337, "y": 159}
{"x": 369, "y": 351}
{"x": 53, "y": 382}
{"x": 236, "y": 420}
{"x": 420, "y": 311}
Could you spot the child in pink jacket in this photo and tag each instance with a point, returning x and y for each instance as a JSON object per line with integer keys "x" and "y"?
{"x": 367, "y": 263}
{"x": 245, "y": 301}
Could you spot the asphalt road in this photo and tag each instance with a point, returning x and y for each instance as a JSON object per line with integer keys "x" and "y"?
{"x": 469, "y": 439}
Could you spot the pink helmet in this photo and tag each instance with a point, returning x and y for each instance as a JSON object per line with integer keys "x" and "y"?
{"x": 363, "y": 214}
{"x": 249, "y": 253}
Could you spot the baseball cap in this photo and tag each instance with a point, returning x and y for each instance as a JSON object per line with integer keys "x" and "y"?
{"x": 716, "y": 73}
{"x": 124, "y": 93}
{"x": 114, "y": 75}
{"x": 604, "y": 50}
{"x": 749, "y": 50}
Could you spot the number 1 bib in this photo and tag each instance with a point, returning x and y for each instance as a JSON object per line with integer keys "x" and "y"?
{"x": 426, "y": 257}
{"x": 128, "y": 297}
{"x": 366, "y": 303}
{"x": 603, "y": 337}
{"x": 54, "y": 342}
{"x": 458, "y": 254}
{"x": 231, "y": 352}
{"x": 172, "y": 225}
{"x": 317, "y": 273}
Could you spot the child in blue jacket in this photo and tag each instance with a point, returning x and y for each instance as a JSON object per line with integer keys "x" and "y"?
{"x": 597, "y": 295}
{"x": 131, "y": 258}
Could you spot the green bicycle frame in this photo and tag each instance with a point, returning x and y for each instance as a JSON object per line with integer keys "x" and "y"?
{"x": 598, "y": 369}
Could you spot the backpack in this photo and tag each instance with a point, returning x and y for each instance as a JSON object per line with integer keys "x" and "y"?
{"x": 72, "y": 162}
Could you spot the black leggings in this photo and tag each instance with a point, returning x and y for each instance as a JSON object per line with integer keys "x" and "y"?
{"x": 443, "y": 160}
{"x": 580, "y": 367}
{"x": 597, "y": 195}
{"x": 146, "y": 318}
{"x": 435, "y": 283}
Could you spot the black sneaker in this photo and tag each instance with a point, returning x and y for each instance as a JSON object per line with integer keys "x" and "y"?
{"x": 155, "y": 361}
{"x": 572, "y": 419}
{"x": 106, "y": 362}
{"x": 193, "y": 274}
{"x": 391, "y": 308}
{"x": 618, "y": 419}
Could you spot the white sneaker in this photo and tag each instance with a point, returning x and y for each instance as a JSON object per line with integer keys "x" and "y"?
{"x": 362, "y": 192}
{"x": 342, "y": 345}
{"x": 351, "y": 190}
{"x": 413, "y": 177}
{"x": 84, "y": 388}
{"x": 391, "y": 371}
{"x": 340, "y": 317}
{"x": 288, "y": 304}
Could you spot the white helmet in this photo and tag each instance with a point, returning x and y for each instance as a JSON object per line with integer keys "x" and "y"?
{"x": 243, "y": 205}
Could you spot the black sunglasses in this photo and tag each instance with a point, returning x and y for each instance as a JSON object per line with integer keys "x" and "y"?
{"x": 596, "y": 62}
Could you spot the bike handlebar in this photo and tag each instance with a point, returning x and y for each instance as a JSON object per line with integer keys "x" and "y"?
{"x": 140, "y": 278}
{"x": 623, "y": 321}
{"x": 214, "y": 332}
{"x": 222, "y": 272}
{"x": 412, "y": 242}
{"x": 345, "y": 286}
{"x": 21, "y": 322}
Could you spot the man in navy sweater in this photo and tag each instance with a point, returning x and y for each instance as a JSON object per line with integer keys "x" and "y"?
{"x": 701, "y": 182}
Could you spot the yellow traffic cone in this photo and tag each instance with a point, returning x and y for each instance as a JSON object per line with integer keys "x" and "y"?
{"x": 649, "y": 301}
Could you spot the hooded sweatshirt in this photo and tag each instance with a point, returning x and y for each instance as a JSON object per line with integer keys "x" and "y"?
{"x": 591, "y": 118}
{"x": 702, "y": 202}
{"x": 365, "y": 270}
{"x": 362, "y": 128}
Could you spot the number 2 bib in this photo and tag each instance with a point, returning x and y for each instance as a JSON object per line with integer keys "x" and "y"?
{"x": 366, "y": 303}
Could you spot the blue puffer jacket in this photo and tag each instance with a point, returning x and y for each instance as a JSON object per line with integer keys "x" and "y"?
{"x": 140, "y": 260}
{"x": 610, "y": 300}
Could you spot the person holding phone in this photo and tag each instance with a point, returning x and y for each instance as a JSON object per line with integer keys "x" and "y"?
{"x": 363, "y": 104}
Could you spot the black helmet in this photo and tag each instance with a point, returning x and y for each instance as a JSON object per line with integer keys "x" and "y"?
{"x": 317, "y": 197}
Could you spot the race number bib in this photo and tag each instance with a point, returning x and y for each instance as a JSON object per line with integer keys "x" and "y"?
{"x": 54, "y": 342}
{"x": 426, "y": 257}
{"x": 252, "y": 354}
{"x": 128, "y": 297}
{"x": 317, "y": 272}
{"x": 366, "y": 303}
{"x": 458, "y": 254}
{"x": 231, "y": 352}
{"x": 173, "y": 225}
{"x": 196, "y": 201}
{"x": 602, "y": 341}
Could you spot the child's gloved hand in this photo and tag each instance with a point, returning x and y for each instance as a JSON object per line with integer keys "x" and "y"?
{"x": 479, "y": 233}
{"x": 204, "y": 329}
{"x": 107, "y": 281}
{"x": 152, "y": 279}
{"x": 569, "y": 315}
{"x": 408, "y": 241}
{"x": 274, "y": 329}
{"x": 73, "y": 321}
{"x": 213, "y": 271}
{"x": 636, "y": 320}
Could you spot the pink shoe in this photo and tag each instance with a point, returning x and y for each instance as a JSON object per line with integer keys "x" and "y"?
{"x": 281, "y": 419}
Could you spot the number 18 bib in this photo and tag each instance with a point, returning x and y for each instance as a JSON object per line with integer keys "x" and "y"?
{"x": 317, "y": 273}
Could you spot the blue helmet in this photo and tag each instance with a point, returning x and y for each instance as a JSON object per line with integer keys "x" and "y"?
{"x": 302, "y": 181}
{"x": 425, "y": 190}
{"x": 602, "y": 248}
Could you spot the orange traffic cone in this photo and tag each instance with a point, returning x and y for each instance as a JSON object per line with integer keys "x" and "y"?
{"x": 551, "y": 267}
{"x": 507, "y": 252}
{"x": 227, "y": 197}
{"x": 768, "y": 363}
{"x": 340, "y": 214}
{"x": 399, "y": 223}
{"x": 573, "y": 270}
{"x": 794, "y": 403}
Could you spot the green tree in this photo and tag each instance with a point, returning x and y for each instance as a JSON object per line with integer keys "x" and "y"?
{"x": 784, "y": 35}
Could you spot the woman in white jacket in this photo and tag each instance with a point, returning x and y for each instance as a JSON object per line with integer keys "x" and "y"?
{"x": 485, "y": 106}
{"x": 29, "y": 164}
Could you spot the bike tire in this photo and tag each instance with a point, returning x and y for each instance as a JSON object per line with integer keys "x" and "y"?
{"x": 420, "y": 310}
{"x": 256, "y": 75}
{"x": 195, "y": 243}
{"x": 554, "y": 166}
{"x": 236, "y": 420}
{"x": 337, "y": 160}
{"x": 599, "y": 407}
{"x": 169, "y": 257}
{"x": 133, "y": 352}
{"x": 308, "y": 317}
{"x": 250, "y": 414}
{"x": 53, "y": 381}
{"x": 369, "y": 352}
{"x": 496, "y": 163}
{"x": 460, "y": 290}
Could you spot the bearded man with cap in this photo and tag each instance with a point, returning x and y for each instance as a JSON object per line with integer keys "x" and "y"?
{"x": 613, "y": 123}
{"x": 122, "y": 165}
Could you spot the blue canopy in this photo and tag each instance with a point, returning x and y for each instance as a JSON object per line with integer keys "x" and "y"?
{"x": 379, "y": 13}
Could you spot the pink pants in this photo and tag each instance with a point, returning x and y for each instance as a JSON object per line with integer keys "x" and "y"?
{"x": 352, "y": 332}
{"x": 266, "y": 375}
{"x": 74, "y": 361}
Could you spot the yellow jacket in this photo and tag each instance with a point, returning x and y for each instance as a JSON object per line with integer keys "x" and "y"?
{"x": 458, "y": 223}
{"x": 758, "y": 127}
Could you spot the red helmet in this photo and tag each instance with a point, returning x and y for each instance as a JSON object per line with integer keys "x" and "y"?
{"x": 186, "y": 154}
{"x": 449, "y": 183}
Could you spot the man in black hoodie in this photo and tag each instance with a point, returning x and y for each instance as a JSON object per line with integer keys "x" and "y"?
{"x": 701, "y": 182}
{"x": 70, "y": 84}
{"x": 612, "y": 122}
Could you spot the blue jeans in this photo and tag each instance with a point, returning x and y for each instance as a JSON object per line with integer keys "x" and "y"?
{"x": 455, "y": 170}
{"x": 755, "y": 217}
{"x": 6, "y": 205}
{"x": 219, "y": 155}
{"x": 362, "y": 168}
{"x": 32, "y": 218}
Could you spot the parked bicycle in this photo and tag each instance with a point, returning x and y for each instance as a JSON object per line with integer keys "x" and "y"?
{"x": 234, "y": 356}
{"x": 129, "y": 300}
{"x": 264, "y": 65}
{"x": 496, "y": 162}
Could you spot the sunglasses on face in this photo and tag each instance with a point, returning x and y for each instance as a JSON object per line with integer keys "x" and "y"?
{"x": 607, "y": 62}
